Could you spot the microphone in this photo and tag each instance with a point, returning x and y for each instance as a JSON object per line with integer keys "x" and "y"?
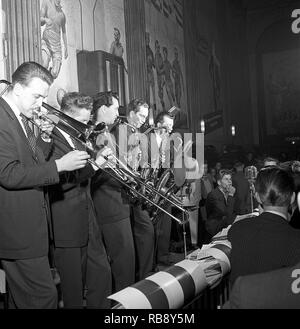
{"x": 251, "y": 173}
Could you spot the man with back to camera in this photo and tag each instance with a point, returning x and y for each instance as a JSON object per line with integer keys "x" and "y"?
{"x": 266, "y": 242}
{"x": 24, "y": 174}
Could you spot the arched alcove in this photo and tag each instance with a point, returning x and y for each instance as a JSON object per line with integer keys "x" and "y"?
{"x": 278, "y": 82}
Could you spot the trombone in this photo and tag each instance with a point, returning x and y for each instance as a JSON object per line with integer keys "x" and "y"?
{"x": 136, "y": 177}
{"x": 85, "y": 134}
{"x": 82, "y": 133}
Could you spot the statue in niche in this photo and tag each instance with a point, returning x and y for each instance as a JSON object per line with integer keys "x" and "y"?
{"x": 116, "y": 47}
{"x": 178, "y": 78}
{"x": 54, "y": 19}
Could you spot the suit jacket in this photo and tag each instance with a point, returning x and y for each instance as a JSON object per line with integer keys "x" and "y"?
{"x": 242, "y": 194}
{"x": 219, "y": 211}
{"x": 109, "y": 196}
{"x": 70, "y": 200}
{"x": 23, "y": 175}
{"x": 261, "y": 244}
{"x": 269, "y": 290}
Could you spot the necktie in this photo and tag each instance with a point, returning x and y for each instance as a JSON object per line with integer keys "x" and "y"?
{"x": 30, "y": 135}
{"x": 77, "y": 145}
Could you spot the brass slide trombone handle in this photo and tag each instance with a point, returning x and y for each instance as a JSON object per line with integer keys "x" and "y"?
{"x": 140, "y": 194}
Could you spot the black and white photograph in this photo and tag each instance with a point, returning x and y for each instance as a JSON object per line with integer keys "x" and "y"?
{"x": 149, "y": 158}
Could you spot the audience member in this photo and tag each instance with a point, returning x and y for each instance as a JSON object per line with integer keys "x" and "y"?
{"x": 219, "y": 204}
{"x": 266, "y": 242}
{"x": 250, "y": 161}
{"x": 267, "y": 290}
{"x": 242, "y": 186}
{"x": 207, "y": 185}
{"x": 212, "y": 173}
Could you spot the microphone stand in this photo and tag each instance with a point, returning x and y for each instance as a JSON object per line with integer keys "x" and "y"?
{"x": 251, "y": 195}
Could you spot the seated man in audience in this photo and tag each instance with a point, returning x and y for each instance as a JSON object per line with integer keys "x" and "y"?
{"x": 266, "y": 242}
{"x": 219, "y": 204}
{"x": 273, "y": 289}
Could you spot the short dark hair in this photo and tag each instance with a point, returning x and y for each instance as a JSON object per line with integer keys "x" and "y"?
{"x": 222, "y": 173}
{"x": 238, "y": 164}
{"x": 274, "y": 186}
{"x": 161, "y": 115}
{"x": 30, "y": 70}
{"x": 103, "y": 98}
{"x": 74, "y": 100}
{"x": 135, "y": 105}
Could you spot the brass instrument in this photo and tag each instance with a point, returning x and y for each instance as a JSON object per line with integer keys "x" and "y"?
{"x": 166, "y": 181}
{"x": 86, "y": 135}
{"x": 142, "y": 184}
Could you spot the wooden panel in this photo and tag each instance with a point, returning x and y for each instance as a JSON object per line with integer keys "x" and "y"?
{"x": 101, "y": 71}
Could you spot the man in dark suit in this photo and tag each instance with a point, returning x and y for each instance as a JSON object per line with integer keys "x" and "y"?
{"x": 79, "y": 253}
{"x": 24, "y": 173}
{"x": 161, "y": 159}
{"x": 219, "y": 205}
{"x": 266, "y": 242}
{"x": 143, "y": 231}
{"x": 110, "y": 200}
{"x": 242, "y": 186}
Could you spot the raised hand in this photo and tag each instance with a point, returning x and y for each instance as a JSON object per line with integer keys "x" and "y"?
{"x": 104, "y": 155}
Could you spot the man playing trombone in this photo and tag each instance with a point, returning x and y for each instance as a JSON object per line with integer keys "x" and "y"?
{"x": 79, "y": 253}
{"x": 143, "y": 232}
{"x": 111, "y": 203}
{"x": 24, "y": 176}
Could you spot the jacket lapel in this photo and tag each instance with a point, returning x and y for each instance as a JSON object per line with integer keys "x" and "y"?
{"x": 18, "y": 127}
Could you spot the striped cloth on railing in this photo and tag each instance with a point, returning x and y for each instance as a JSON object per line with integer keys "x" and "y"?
{"x": 177, "y": 285}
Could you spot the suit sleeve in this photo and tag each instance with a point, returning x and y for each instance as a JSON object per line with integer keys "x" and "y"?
{"x": 14, "y": 175}
{"x": 72, "y": 178}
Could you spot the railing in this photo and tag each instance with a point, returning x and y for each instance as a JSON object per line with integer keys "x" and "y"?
{"x": 198, "y": 282}
{"x": 211, "y": 299}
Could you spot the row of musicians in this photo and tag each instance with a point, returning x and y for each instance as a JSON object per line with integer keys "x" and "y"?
{"x": 98, "y": 242}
